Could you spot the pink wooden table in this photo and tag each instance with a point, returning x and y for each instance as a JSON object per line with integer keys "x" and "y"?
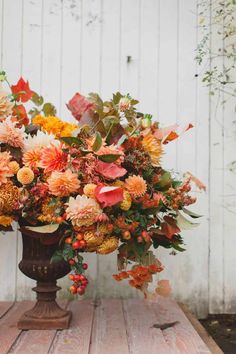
{"x": 110, "y": 326}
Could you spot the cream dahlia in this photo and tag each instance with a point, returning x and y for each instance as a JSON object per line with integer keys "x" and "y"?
{"x": 39, "y": 141}
{"x": 5, "y": 105}
{"x": 82, "y": 211}
{"x": 11, "y": 135}
{"x": 5, "y": 171}
{"x": 63, "y": 184}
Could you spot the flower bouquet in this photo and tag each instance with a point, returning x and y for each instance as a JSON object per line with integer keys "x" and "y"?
{"x": 94, "y": 185}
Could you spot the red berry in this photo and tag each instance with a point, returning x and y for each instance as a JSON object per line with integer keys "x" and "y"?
{"x": 79, "y": 237}
{"x": 71, "y": 277}
{"x": 73, "y": 289}
{"x": 76, "y": 245}
{"x": 82, "y": 243}
{"x": 77, "y": 277}
{"x": 80, "y": 291}
{"x": 71, "y": 262}
{"x": 68, "y": 240}
{"x": 85, "y": 266}
{"x": 140, "y": 239}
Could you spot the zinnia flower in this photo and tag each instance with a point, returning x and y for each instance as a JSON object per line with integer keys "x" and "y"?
{"x": 53, "y": 158}
{"x": 63, "y": 184}
{"x": 153, "y": 147}
{"x": 5, "y": 171}
{"x": 82, "y": 211}
{"x": 31, "y": 158}
{"x": 11, "y": 135}
{"x": 25, "y": 175}
{"x": 136, "y": 185}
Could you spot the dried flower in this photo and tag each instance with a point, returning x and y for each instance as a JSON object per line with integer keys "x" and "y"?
{"x": 9, "y": 196}
{"x": 153, "y": 147}
{"x": 63, "y": 184}
{"x": 126, "y": 202}
{"x": 136, "y": 185}
{"x": 93, "y": 239}
{"x": 5, "y": 220}
{"x": 109, "y": 245}
{"x": 25, "y": 175}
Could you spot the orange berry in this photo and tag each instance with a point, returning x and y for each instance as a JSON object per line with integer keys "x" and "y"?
{"x": 68, "y": 240}
{"x": 79, "y": 237}
{"x": 126, "y": 235}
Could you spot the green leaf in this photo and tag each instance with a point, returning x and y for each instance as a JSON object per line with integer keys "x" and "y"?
{"x": 98, "y": 142}
{"x": 185, "y": 224}
{"x": 116, "y": 97}
{"x": 70, "y": 140}
{"x": 165, "y": 181}
{"x": 37, "y": 100}
{"x": 108, "y": 158}
{"x": 57, "y": 257}
{"x": 191, "y": 213}
{"x": 49, "y": 109}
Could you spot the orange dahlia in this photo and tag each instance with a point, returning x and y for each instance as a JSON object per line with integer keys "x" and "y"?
{"x": 5, "y": 171}
{"x": 136, "y": 186}
{"x": 63, "y": 184}
{"x": 25, "y": 175}
{"x": 153, "y": 147}
{"x": 14, "y": 167}
{"x": 31, "y": 158}
{"x": 89, "y": 190}
{"x": 53, "y": 158}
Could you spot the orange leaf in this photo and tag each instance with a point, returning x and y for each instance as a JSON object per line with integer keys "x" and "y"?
{"x": 163, "y": 288}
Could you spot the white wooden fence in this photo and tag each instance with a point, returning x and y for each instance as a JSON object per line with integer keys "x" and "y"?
{"x": 146, "y": 48}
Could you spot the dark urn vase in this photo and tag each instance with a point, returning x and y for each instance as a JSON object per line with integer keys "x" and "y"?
{"x": 36, "y": 264}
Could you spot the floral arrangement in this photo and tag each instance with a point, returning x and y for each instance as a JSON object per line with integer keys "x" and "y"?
{"x": 99, "y": 181}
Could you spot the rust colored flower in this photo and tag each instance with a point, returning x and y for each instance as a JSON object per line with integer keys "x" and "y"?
{"x": 22, "y": 90}
{"x": 53, "y": 158}
{"x": 63, "y": 184}
{"x": 9, "y": 197}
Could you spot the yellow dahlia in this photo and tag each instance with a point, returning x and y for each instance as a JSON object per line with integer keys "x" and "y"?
{"x": 93, "y": 239}
{"x": 25, "y": 175}
{"x": 153, "y": 147}
{"x": 5, "y": 171}
{"x": 89, "y": 190}
{"x": 53, "y": 125}
{"x": 109, "y": 245}
{"x": 14, "y": 167}
{"x": 9, "y": 196}
{"x": 83, "y": 211}
{"x": 136, "y": 186}
{"x": 63, "y": 184}
{"x": 127, "y": 201}
{"x": 5, "y": 220}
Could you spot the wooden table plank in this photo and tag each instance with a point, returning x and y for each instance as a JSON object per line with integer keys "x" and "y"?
{"x": 211, "y": 344}
{"x": 8, "y": 329}
{"x": 142, "y": 338}
{"x": 35, "y": 341}
{"x": 4, "y": 307}
{"x": 182, "y": 338}
{"x": 109, "y": 332}
{"x": 76, "y": 339}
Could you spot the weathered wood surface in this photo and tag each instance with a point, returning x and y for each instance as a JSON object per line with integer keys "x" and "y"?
{"x": 108, "y": 326}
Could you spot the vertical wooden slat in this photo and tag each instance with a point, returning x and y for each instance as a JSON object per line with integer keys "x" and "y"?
{"x": 216, "y": 186}
{"x": 109, "y": 332}
{"x": 12, "y": 64}
{"x": 77, "y": 337}
{"x": 31, "y": 64}
{"x": 142, "y": 337}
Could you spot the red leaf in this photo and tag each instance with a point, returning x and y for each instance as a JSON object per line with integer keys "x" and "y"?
{"x": 169, "y": 227}
{"x": 19, "y": 112}
{"x": 79, "y": 105}
{"x": 110, "y": 170}
{"x": 108, "y": 196}
{"x": 22, "y": 90}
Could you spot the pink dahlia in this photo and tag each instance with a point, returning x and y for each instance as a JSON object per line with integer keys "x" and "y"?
{"x": 63, "y": 184}
{"x": 5, "y": 171}
{"x": 11, "y": 135}
{"x": 53, "y": 158}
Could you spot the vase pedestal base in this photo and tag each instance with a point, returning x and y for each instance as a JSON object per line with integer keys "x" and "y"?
{"x": 46, "y": 314}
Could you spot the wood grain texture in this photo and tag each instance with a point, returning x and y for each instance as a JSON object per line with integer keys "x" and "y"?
{"x": 181, "y": 338}
{"x": 142, "y": 337}
{"x": 4, "y": 307}
{"x": 8, "y": 325}
{"x": 109, "y": 332}
{"x": 211, "y": 344}
{"x": 79, "y": 333}
{"x": 35, "y": 341}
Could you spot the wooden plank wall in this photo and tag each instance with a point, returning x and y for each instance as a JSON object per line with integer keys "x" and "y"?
{"x": 146, "y": 48}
